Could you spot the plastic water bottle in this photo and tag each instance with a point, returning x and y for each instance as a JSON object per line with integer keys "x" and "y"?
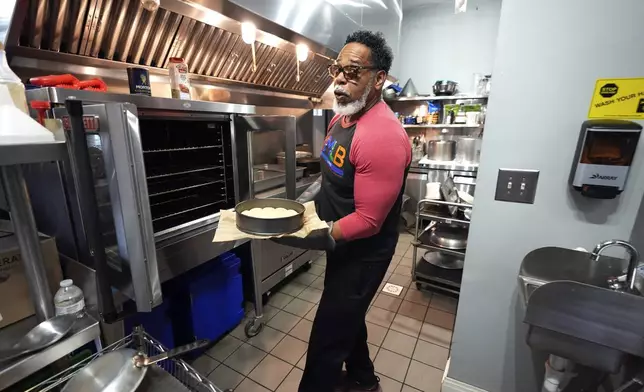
{"x": 69, "y": 299}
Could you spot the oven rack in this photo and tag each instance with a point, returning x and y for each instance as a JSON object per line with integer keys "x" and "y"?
{"x": 183, "y": 149}
{"x": 183, "y": 206}
{"x": 154, "y": 173}
{"x": 182, "y": 184}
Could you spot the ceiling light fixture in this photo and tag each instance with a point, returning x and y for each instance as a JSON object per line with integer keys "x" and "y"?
{"x": 249, "y": 35}
{"x": 302, "y": 53}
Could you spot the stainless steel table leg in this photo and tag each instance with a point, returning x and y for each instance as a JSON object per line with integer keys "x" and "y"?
{"x": 255, "y": 325}
{"x": 24, "y": 224}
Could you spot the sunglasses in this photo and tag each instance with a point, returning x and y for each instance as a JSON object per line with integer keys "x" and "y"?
{"x": 351, "y": 72}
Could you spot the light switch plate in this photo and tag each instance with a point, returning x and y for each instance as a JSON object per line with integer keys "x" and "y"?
{"x": 517, "y": 185}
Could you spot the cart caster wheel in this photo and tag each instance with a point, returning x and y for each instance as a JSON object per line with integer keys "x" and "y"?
{"x": 253, "y": 328}
{"x": 419, "y": 286}
{"x": 265, "y": 299}
{"x": 306, "y": 266}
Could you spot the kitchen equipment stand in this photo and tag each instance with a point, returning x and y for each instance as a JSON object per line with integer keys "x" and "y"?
{"x": 427, "y": 275}
{"x": 13, "y": 160}
{"x": 172, "y": 375}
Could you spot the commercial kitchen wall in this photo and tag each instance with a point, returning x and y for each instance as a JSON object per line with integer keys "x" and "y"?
{"x": 549, "y": 54}
{"x": 438, "y": 44}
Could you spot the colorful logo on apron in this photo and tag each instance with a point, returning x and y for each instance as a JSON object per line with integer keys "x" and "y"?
{"x": 334, "y": 155}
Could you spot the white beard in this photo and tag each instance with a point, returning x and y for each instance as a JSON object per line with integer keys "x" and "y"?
{"x": 354, "y": 107}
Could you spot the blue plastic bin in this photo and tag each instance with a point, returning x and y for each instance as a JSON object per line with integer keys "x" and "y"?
{"x": 204, "y": 303}
{"x": 217, "y": 298}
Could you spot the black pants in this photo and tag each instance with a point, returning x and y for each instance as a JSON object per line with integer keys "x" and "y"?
{"x": 339, "y": 331}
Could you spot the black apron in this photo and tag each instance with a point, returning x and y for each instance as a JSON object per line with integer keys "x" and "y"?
{"x": 335, "y": 199}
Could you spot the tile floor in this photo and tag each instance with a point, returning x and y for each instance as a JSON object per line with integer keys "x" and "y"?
{"x": 409, "y": 336}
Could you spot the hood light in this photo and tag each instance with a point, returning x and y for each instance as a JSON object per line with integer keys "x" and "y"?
{"x": 249, "y": 34}
{"x": 302, "y": 53}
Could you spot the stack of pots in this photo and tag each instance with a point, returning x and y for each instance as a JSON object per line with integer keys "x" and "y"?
{"x": 465, "y": 150}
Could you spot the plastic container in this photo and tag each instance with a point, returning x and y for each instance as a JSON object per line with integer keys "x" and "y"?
{"x": 13, "y": 83}
{"x": 69, "y": 299}
{"x": 179, "y": 79}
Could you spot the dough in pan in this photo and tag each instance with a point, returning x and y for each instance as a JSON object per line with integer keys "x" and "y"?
{"x": 269, "y": 213}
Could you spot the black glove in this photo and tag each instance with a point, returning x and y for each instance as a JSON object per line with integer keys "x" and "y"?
{"x": 316, "y": 240}
{"x": 310, "y": 192}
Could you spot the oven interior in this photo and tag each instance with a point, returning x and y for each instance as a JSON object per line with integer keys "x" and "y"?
{"x": 189, "y": 169}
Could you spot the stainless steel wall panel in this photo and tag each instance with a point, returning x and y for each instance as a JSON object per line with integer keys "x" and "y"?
{"x": 275, "y": 68}
{"x": 180, "y": 40}
{"x": 167, "y": 40}
{"x": 217, "y": 56}
{"x": 159, "y": 24}
{"x": 142, "y": 41}
{"x": 103, "y": 24}
{"x": 236, "y": 56}
{"x": 288, "y": 71}
{"x": 133, "y": 27}
{"x": 225, "y": 53}
{"x": 78, "y": 19}
{"x": 202, "y": 67}
{"x": 193, "y": 39}
{"x": 89, "y": 31}
{"x": 59, "y": 24}
{"x": 39, "y": 23}
{"x": 117, "y": 28}
{"x": 202, "y": 45}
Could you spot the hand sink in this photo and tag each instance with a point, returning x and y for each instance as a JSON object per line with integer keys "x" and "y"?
{"x": 551, "y": 264}
{"x": 573, "y": 314}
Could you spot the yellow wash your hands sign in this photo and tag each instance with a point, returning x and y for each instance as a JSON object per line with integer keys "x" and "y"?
{"x": 618, "y": 99}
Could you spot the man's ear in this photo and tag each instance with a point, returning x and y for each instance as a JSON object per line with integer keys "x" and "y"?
{"x": 381, "y": 77}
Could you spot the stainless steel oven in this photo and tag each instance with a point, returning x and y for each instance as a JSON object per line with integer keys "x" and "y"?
{"x": 161, "y": 170}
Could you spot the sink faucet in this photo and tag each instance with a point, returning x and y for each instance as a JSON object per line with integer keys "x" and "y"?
{"x": 633, "y": 261}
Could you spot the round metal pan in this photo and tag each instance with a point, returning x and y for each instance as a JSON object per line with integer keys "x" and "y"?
{"x": 271, "y": 226}
{"x": 449, "y": 236}
{"x": 443, "y": 260}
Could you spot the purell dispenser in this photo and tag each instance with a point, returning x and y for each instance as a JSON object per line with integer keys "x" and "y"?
{"x": 604, "y": 156}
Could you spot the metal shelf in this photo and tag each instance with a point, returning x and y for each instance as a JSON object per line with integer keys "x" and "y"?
{"x": 18, "y": 154}
{"x": 450, "y": 277}
{"x": 436, "y": 98}
{"x": 180, "y": 185}
{"x": 443, "y": 219}
{"x": 406, "y": 126}
{"x": 85, "y": 330}
{"x": 452, "y": 252}
{"x": 181, "y": 170}
{"x": 182, "y": 149}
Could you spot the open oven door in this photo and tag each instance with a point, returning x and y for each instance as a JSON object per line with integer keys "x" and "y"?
{"x": 111, "y": 211}
{"x": 259, "y": 139}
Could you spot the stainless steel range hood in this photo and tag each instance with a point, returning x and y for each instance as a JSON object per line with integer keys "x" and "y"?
{"x": 207, "y": 33}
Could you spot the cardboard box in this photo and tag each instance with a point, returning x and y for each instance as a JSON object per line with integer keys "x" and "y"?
{"x": 15, "y": 300}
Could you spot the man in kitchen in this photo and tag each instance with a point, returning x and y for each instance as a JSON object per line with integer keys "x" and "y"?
{"x": 365, "y": 158}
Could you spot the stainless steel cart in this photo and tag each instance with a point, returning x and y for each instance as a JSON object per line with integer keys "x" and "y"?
{"x": 424, "y": 274}
{"x": 171, "y": 375}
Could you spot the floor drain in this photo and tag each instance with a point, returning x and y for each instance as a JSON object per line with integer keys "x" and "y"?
{"x": 391, "y": 288}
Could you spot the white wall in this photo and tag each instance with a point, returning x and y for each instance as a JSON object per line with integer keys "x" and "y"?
{"x": 549, "y": 54}
{"x": 438, "y": 44}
